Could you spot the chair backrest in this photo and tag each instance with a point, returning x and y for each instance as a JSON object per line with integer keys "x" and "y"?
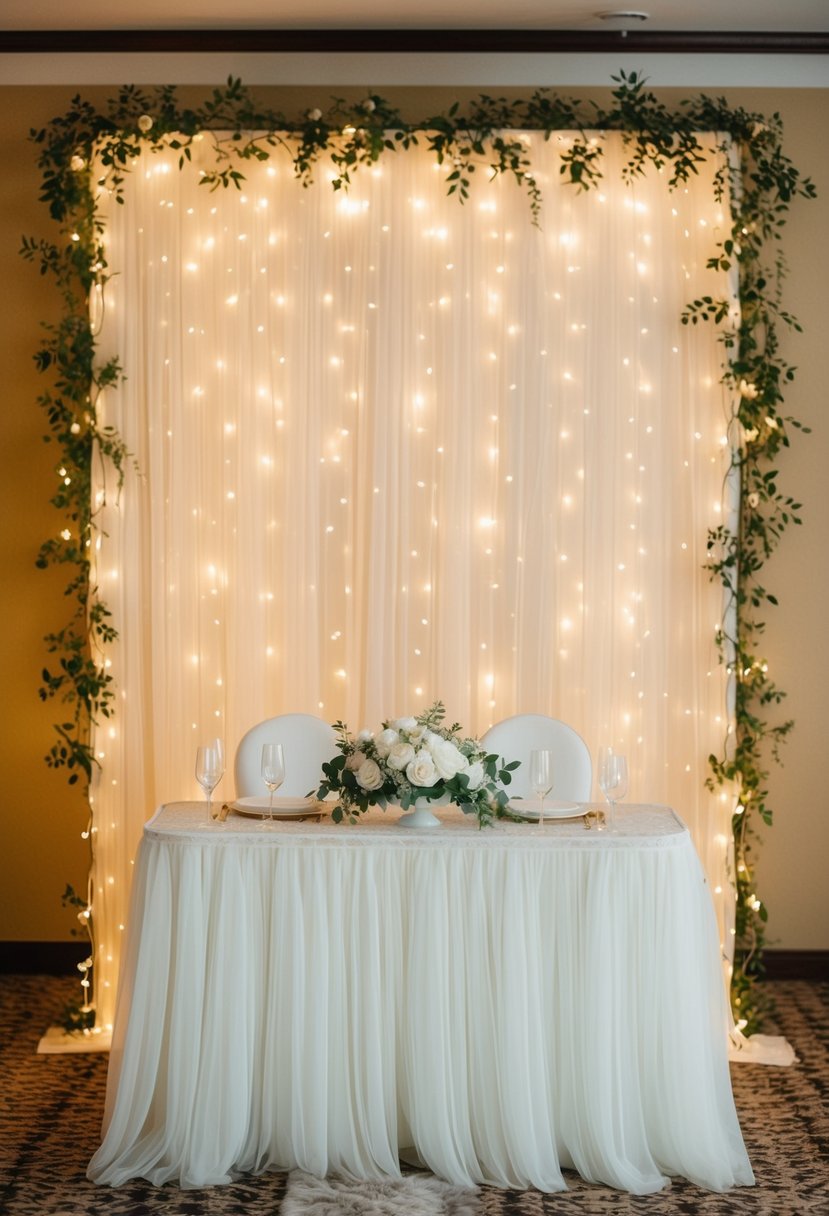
{"x": 515, "y": 738}
{"x": 306, "y": 741}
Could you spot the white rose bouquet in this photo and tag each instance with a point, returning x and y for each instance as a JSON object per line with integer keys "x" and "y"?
{"x": 415, "y": 758}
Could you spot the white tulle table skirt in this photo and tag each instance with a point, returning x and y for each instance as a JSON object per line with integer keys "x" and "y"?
{"x": 509, "y": 1003}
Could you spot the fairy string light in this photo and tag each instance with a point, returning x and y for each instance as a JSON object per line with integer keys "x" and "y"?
{"x": 485, "y": 136}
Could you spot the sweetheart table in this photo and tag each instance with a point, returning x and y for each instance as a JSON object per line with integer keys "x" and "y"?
{"x": 504, "y": 1003}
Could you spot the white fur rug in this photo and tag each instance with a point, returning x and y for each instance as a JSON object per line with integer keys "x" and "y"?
{"x": 414, "y": 1195}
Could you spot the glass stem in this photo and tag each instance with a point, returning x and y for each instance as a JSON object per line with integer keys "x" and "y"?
{"x": 270, "y": 803}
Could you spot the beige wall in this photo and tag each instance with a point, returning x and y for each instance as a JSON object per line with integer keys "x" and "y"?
{"x": 42, "y": 819}
{"x": 792, "y": 871}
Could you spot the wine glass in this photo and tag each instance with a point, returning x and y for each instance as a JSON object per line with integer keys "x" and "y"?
{"x": 273, "y": 770}
{"x": 220, "y": 748}
{"x": 209, "y": 772}
{"x": 613, "y": 779}
{"x": 541, "y": 776}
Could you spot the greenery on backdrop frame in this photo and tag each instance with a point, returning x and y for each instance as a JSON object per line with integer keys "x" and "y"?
{"x": 88, "y": 150}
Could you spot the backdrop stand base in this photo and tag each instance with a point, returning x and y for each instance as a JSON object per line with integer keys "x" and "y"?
{"x": 60, "y": 1042}
{"x": 761, "y": 1049}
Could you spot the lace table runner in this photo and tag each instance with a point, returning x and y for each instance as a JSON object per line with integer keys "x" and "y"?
{"x": 635, "y": 825}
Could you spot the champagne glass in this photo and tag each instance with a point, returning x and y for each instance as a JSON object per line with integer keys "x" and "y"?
{"x": 613, "y": 779}
{"x": 541, "y": 776}
{"x": 273, "y": 770}
{"x": 209, "y": 772}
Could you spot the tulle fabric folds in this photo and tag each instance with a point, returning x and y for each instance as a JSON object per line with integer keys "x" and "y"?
{"x": 506, "y": 1012}
{"x": 386, "y": 449}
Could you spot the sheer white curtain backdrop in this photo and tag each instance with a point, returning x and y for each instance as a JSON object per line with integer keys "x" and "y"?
{"x": 389, "y": 449}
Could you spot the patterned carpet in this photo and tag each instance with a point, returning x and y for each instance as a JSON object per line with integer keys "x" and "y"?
{"x": 50, "y": 1115}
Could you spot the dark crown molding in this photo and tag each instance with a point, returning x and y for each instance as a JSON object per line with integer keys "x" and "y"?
{"x": 508, "y": 42}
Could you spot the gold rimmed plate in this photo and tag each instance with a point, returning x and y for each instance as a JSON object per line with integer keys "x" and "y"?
{"x": 527, "y": 808}
{"x": 283, "y": 808}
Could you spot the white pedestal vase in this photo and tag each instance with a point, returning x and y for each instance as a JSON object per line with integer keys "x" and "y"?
{"x": 421, "y": 816}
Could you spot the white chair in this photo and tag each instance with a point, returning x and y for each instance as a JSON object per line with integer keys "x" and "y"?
{"x": 515, "y": 738}
{"x": 306, "y": 742}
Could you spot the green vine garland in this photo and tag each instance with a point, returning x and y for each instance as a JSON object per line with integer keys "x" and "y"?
{"x": 761, "y": 183}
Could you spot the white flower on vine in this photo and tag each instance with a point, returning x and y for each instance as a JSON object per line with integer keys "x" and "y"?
{"x": 751, "y": 434}
{"x": 77, "y": 163}
{"x": 369, "y": 105}
{"x": 754, "y": 501}
{"x": 145, "y": 123}
{"x": 315, "y": 115}
{"x": 748, "y": 390}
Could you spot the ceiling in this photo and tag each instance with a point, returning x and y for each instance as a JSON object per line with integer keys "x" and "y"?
{"x": 801, "y": 16}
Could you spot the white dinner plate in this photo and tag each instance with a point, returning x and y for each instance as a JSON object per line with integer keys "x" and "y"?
{"x": 281, "y": 806}
{"x": 527, "y": 808}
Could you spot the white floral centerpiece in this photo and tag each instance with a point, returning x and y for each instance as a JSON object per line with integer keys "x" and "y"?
{"x": 413, "y": 759}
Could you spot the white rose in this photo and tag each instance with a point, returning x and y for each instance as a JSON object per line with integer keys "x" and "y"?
{"x": 385, "y": 741}
{"x": 448, "y": 760}
{"x": 400, "y": 755}
{"x": 364, "y": 736}
{"x": 369, "y": 776}
{"x": 355, "y": 760}
{"x": 417, "y": 734}
{"x": 421, "y": 771}
{"x": 145, "y": 123}
{"x": 475, "y": 774}
{"x": 407, "y": 724}
{"x": 315, "y": 115}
